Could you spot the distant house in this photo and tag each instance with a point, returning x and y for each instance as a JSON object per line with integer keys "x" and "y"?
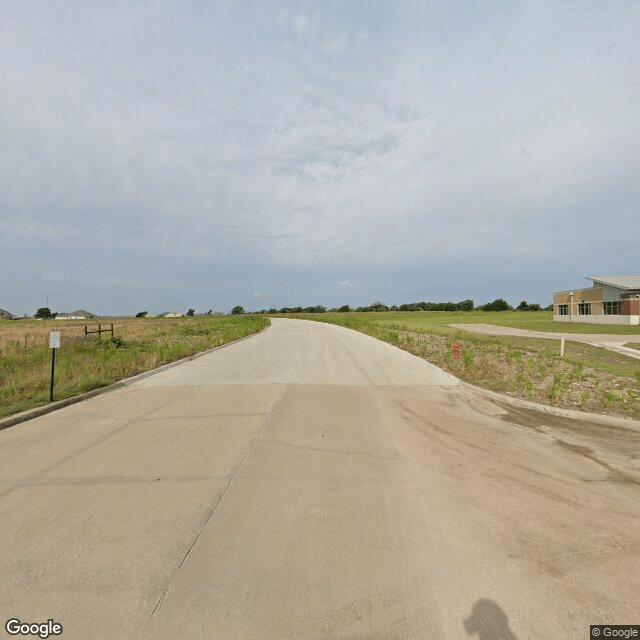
{"x": 5, "y": 315}
{"x": 171, "y": 314}
{"x": 610, "y": 300}
{"x": 80, "y": 314}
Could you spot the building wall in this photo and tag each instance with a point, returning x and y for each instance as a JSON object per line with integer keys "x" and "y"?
{"x": 592, "y": 295}
{"x": 629, "y": 308}
{"x": 610, "y": 294}
{"x": 630, "y": 304}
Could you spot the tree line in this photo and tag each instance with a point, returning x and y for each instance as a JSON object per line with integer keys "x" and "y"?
{"x": 465, "y": 305}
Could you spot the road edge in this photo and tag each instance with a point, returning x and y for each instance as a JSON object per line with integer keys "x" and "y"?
{"x": 494, "y": 395}
{"x": 619, "y": 421}
{"x": 36, "y": 412}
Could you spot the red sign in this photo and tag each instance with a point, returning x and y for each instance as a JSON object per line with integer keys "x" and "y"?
{"x": 455, "y": 350}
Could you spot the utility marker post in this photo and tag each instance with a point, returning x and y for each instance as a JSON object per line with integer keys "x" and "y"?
{"x": 54, "y": 343}
{"x": 562, "y": 347}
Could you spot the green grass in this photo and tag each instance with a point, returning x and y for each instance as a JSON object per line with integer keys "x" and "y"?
{"x": 532, "y": 320}
{"x": 589, "y": 378}
{"x": 139, "y": 345}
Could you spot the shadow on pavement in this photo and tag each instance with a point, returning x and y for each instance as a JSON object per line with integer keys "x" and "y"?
{"x": 488, "y": 621}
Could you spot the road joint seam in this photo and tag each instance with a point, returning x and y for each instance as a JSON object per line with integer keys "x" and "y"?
{"x": 234, "y": 475}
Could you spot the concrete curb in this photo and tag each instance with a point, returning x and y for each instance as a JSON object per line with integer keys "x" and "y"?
{"x": 558, "y": 411}
{"x": 618, "y": 421}
{"x": 29, "y": 414}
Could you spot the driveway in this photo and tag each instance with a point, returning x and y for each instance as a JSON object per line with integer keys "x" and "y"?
{"x": 608, "y": 341}
{"x": 312, "y": 482}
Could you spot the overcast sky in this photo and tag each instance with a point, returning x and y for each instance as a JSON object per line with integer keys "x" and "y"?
{"x": 167, "y": 155}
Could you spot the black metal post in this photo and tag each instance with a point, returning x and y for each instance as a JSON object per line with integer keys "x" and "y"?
{"x": 53, "y": 368}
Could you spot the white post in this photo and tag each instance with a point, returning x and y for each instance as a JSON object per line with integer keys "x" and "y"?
{"x": 562, "y": 347}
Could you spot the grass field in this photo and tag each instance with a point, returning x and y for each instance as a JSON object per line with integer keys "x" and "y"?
{"x": 534, "y": 321}
{"x": 587, "y": 378}
{"x": 139, "y": 345}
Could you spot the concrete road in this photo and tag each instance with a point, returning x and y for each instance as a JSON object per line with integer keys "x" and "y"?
{"x": 609, "y": 341}
{"x": 312, "y": 482}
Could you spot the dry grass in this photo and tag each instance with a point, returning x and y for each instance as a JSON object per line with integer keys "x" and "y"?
{"x": 85, "y": 363}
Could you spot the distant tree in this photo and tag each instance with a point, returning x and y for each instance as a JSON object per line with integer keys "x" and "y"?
{"x": 44, "y": 312}
{"x": 273, "y": 310}
{"x": 549, "y": 307}
{"x": 465, "y": 305}
{"x": 345, "y": 308}
{"x": 141, "y": 314}
{"x": 378, "y": 306}
{"x": 210, "y": 312}
{"x": 525, "y": 306}
{"x": 237, "y": 311}
{"x": 497, "y": 305}
{"x": 191, "y": 312}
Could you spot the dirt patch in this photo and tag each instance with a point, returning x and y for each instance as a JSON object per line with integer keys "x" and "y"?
{"x": 613, "y": 447}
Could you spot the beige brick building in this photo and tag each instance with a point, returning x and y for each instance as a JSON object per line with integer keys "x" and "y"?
{"x": 610, "y": 300}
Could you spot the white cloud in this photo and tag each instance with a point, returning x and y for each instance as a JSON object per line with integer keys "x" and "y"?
{"x": 339, "y": 44}
{"x": 301, "y": 25}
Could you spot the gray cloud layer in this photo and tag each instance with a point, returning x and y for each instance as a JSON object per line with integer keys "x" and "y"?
{"x": 196, "y": 154}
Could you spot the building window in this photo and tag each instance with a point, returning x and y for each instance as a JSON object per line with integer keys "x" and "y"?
{"x": 563, "y": 309}
{"x": 584, "y": 308}
{"x": 612, "y": 308}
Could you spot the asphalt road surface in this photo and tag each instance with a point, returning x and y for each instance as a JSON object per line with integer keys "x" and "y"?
{"x": 312, "y": 482}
